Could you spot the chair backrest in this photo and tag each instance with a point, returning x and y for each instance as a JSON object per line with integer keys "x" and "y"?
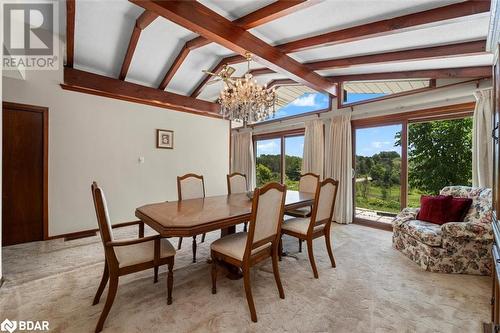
{"x": 101, "y": 210}
{"x": 308, "y": 183}
{"x": 481, "y": 209}
{"x": 324, "y": 202}
{"x": 190, "y": 186}
{"x": 267, "y": 214}
{"x": 236, "y": 183}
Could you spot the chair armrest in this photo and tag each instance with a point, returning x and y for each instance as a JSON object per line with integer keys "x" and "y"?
{"x": 407, "y": 214}
{"x": 126, "y": 242}
{"x": 469, "y": 230}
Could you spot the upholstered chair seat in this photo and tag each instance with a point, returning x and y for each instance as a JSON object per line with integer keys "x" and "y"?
{"x": 300, "y": 225}
{"x": 142, "y": 252}
{"x": 234, "y": 245}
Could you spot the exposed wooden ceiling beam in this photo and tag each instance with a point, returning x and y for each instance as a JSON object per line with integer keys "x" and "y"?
{"x": 389, "y": 26}
{"x": 261, "y": 16}
{"x": 200, "y": 19}
{"x": 443, "y": 51}
{"x": 95, "y": 84}
{"x": 281, "y": 82}
{"x": 146, "y": 18}
{"x": 216, "y": 69}
{"x": 445, "y": 73}
{"x": 70, "y": 32}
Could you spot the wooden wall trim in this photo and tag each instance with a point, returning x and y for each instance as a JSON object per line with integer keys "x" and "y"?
{"x": 85, "y": 82}
{"x": 462, "y": 109}
{"x": 70, "y": 32}
{"x": 45, "y": 115}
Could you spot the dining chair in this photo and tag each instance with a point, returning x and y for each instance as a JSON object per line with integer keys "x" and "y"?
{"x": 244, "y": 250}
{"x": 237, "y": 183}
{"x": 318, "y": 224}
{"x": 191, "y": 186}
{"x": 127, "y": 256}
{"x": 308, "y": 183}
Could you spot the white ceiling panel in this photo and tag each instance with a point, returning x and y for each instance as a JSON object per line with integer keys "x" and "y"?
{"x": 233, "y": 9}
{"x": 331, "y": 15}
{"x": 102, "y": 33}
{"x": 473, "y": 29}
{"x": 156, "y": 50}
{"x": 190, "y": 73}
{"x": 474, "y": 60}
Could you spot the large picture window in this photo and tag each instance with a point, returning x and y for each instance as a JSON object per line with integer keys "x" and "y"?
{"x": 399, "y": 160}
{"x": 279, "y": 158}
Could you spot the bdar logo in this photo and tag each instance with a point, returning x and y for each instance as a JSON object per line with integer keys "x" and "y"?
{"x": 8, "y": 325}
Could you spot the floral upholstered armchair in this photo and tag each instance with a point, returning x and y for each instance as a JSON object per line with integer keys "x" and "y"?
{"x": 454, "y": 247}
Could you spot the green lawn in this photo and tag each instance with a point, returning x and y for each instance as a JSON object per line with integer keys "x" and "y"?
{"x": 374, "y": 199}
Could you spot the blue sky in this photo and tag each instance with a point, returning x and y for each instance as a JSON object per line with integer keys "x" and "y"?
{"x": 294, "y": 146}
{"x": 370, "y": 141}
{"x": 305, "y": 103}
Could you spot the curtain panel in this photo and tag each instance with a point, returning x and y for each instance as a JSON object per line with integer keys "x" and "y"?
{"x": 482, "y": 145}
{"x": 313, "y": 158}
{"x": 338, "y": 165}
{"x": 242, "y": 159}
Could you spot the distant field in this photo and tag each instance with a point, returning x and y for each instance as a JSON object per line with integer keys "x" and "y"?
{"x": 375, "y": 201}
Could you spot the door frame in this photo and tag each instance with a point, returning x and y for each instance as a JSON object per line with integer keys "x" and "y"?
{"x": 45, "y": 115}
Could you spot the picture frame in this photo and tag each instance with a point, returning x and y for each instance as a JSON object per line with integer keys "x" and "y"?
{"x": 164, "y": 139}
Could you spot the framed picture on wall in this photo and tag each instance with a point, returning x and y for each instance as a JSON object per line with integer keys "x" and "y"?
{"x": 164, "y": 139}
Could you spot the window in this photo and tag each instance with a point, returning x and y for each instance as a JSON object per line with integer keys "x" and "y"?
{"x": 296, "y": 100}
{"x": 279, "y": 158}
{"x": 378, "y": 173}
{"x": 439, "y": 154}
{"x": 399, "y": 158}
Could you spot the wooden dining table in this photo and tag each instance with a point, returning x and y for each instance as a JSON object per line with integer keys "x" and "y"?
{"x": 192, "y": 217}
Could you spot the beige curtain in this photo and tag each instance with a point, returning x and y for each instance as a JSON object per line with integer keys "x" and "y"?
{"x": 338, "y": 165}
{"x": 314, "y": 149}
{"x": 482, "y": 146}
{"x": 242, "y": 159}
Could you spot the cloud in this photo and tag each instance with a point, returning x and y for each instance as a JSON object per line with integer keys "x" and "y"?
{"x": 305, "y": 100}
{"x": 267, "y": 147}
{"x": 380, "y": 144}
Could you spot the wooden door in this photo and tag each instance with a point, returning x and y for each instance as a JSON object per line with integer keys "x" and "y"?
{"x": 24, "y": 173}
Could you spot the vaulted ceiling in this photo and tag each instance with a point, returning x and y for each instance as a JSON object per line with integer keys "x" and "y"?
{"x": 311, "y": 42}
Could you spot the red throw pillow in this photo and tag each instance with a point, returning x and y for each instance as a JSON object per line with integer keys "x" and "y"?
{"x": 434, "y": 209}
{"x": 459, "y": 207}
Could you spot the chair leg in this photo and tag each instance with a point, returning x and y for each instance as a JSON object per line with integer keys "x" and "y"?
{"x": 311, "y": 257}
{"x": 248, "y": 292}
{"x": 214, "y": 275}
{"x": 179, "y": 244}
{"x": 277, "y": 273}
{"x": 300, "y": 245}
{"x": 102, "y": 285}
{"x": 156, "y": 273}
{"x": 203, "y": 238}
{"x": 280, "y": 248}
{"x": 194, "y": 249}
{"x": 141, "y": 229}
{"x": 113, "y": 286}
{"x": 170, "y": 282}
{"x": 329, "y": 247}
{"x": 245, "y": 226}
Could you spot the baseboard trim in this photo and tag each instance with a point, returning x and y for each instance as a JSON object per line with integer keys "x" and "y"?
{"x": 373, "y": 224}
{"x": 90, "y": 232}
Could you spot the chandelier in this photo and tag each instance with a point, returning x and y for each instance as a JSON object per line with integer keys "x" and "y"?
{"x": 243, "y": 99}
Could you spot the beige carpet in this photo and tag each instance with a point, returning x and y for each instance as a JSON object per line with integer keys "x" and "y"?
{"x": 373, "y": 289}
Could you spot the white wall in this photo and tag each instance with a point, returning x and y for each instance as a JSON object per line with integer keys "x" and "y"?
{"x": 98, "y": 138}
